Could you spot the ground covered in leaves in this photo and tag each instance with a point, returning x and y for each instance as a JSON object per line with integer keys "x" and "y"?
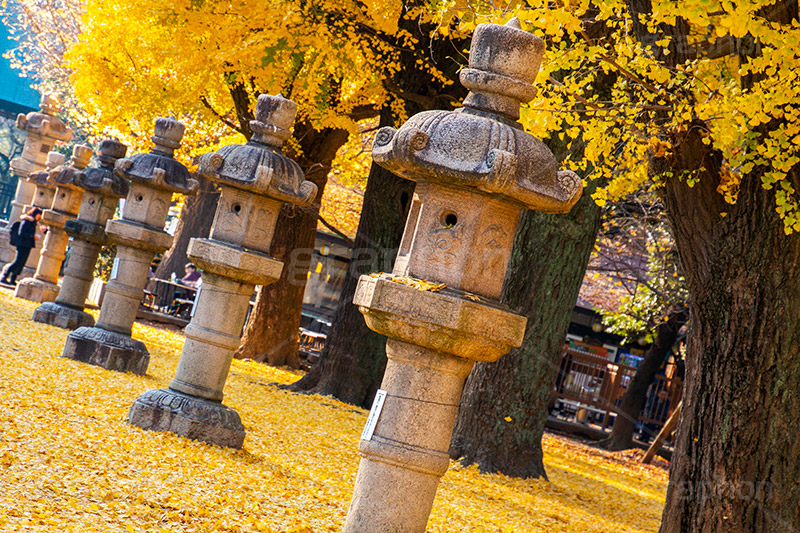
{"x": 70, "y": 463}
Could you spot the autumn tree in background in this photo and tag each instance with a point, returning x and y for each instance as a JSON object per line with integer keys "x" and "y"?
{"x": 706, "y": 106}
{"x": 637, "y": 250}
{"x": 352, "y": 363}
{"x": 207, "y": 63}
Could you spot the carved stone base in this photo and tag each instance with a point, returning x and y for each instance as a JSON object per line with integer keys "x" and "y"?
{"x": 62, "y": 316}
{"x": 108, "y": 349}
{"x": 187, "y": 416}
{"x": 36, "y": 290}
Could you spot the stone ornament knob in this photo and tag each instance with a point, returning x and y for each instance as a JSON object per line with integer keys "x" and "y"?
{"x": 167, "y": 135}
{"x": 71, "y": 175}
{"x": 55, "y": 159}
{"x": 503, "y": 60}
{"x": 81, "y": 156}
{"x": 259, "y": 166}
{"x": 109, "y": 151}
{"x": 482, "y": 145}
{"x": 158, "y": 167}
{"x": 274, "y": 119}
{"x": 102, "y": 180}
{"x": 49, "y": 105}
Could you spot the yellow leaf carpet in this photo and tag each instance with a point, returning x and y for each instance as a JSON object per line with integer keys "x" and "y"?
{"x": 70, "y": 463}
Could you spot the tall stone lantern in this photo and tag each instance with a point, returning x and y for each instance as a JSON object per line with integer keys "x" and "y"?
{"x": 139, "y": 235}
{"x": 66, "y": 202}
{"x": 42, "y": 192}
{"x": 255, "y": 179}
{"x": 103, "y": 189}
{"x": 44, "y": 130}
{"x": 476, "y": 169}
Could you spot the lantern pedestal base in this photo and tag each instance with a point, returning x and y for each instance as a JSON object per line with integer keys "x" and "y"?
{"x": 62, "y": 316}
{"x": 108, "y": 349}
{"x": 187, "y": 416}
{"x": 36, "y": 290}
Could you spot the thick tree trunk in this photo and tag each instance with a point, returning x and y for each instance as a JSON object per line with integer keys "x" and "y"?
{"x": 737, "y": 460}
{"x": 352, "y": 363}
{"x": 547, "y": 266}
{"x": 635, "y": 397}
{"x": 196, "y": 218}
{"x": 271, "y": 332}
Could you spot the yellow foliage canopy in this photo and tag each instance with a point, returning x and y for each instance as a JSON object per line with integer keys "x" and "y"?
{"x": 617, "y": 103}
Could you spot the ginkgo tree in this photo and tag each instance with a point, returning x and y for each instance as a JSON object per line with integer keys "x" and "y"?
{"x": 701, "y": 97}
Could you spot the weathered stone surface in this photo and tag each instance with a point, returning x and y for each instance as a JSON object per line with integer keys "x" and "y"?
{"x": 44, "y": 130}
{"x": 62, "y": 316}
{"x": 66, "y": 201}
{"x": 187, "y": 416}
{"x": 103, "y": 190}
{"x": 39, "y": 193}
{"x": 476, "y": 169}
{"x": 233, "y": 262}
{"x": 139, "y": 235}
{"x": 255, "y": 178}
{"x": 444, "y": 321}
{"x": 108, "y": 349}
{"x": 134, "y": 235}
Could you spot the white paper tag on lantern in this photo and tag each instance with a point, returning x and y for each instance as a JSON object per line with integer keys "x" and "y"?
{"x": 114, "y": 269}
{"x": 374, "y": 415}
{"x": 196, "y": 299}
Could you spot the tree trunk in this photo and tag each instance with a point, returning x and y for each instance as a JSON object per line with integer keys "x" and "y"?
{"x": 737, "y": 460}
{"x": 352, "y": 363}
{"x": 547, "y": 265}
{"x": 635, "y": 397}
{"x": 196, "y": 218}
{"x": 271, "y": 332}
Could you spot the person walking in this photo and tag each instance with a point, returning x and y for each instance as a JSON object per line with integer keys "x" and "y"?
{"x": 24, "y": 240}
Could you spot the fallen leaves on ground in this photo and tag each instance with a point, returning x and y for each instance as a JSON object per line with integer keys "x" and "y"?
{"x": 70, "y": 463}
{"x": 419, "y": 284}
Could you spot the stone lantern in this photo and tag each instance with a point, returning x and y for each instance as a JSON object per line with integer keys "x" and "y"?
{"x": 44, "y": 130}
{"x": 139, "y": 235}
{"x": 42, "y": 192}
{"x": 476, "y": 169}
{"x": 66, "y": 202}
{"x": 102, "y": 191}
{"x": 255, "y": 179}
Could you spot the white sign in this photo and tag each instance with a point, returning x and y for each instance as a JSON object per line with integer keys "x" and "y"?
{"x": 374, "y": 415}
{"x": 115, "y": 268}
{"x": 196, "y": 299}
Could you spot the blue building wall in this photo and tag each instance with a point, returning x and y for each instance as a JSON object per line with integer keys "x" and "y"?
{"x": 16, "y": 95}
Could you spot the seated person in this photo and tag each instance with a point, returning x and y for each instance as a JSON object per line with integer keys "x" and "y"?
{"x": 192, "y": 277}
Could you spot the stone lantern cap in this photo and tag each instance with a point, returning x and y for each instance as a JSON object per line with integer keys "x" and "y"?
{"x": 54, "y": 160}
{"x": 44, "y": 122}
{"x": 482, "y": 146}
{"x": 259, "y": 167}
{"x": 56, "y": 164}
{"x": 102, "y": 180}
{"x": 69, "y": 175}
{"x": 159, "y": 168}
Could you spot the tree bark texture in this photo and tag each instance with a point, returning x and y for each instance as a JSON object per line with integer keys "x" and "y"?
{"x": 271, "y": 333}
{"x": 547, "y": 265}
{"x": 352, "y": 363}
{"x": 736, "y": 465}
{"x": 635, "y": 397}
{"x": 196, "y": 218}
{"x": 737, "y": 461}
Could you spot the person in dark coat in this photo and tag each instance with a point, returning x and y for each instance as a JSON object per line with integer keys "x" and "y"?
{"x": 26, "y": 241}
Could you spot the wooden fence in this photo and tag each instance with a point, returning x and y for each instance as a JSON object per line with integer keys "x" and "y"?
{"x": 588, "y": 382}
